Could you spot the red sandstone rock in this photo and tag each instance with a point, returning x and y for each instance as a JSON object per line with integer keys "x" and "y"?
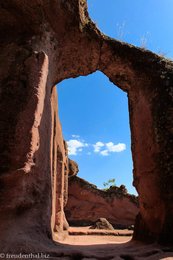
{"x": 102, "y": 223}
{"x": 86, "y": 204}
{"x": 73, "y": 168}
{"x": 42, "y": 43}
{"x": 60, "y": 170}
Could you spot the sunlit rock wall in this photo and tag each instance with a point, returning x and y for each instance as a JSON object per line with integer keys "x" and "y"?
{"x": 86, "y": 204}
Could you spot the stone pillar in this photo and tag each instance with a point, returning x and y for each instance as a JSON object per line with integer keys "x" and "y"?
{"x": 151, "y": 127}
{"x": 25, "y": 192}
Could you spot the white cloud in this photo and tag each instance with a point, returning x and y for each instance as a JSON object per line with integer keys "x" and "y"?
{"x": 104, "y": 152}
{"x": 75, "y": 146}
{"x": 98, "y": 146}
{"x": 106, "y": 148}
{"x": 115, "y": 148}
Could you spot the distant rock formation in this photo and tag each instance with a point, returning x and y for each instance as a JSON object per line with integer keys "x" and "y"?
{"x": 73, "y": 168}
{"x": 86, "y": 204}
{"x": 102, "y": 223}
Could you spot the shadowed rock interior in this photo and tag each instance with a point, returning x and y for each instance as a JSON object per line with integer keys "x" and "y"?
{"x": 42, "y": 43}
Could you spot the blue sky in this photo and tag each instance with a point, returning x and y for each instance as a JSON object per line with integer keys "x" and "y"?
{"x": 93, "y": 111}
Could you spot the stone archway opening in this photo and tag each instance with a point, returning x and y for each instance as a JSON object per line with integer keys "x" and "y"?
{"x": 102, "y": 138}
{"x": 56, "y": 41}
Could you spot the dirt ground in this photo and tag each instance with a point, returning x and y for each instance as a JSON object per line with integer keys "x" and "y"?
{"x": 83, "y": 231}
{"x": 110, "y": 247}
{"x": 95, "y": 240}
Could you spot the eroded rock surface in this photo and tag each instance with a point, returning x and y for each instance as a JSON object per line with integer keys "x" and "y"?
{"x": 73, "y": 168}
{"x": 43, "y": 42}
{"x": 60, "y": 170}
{"x": 86, "y": 204}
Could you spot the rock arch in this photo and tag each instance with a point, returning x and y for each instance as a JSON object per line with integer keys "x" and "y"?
{"x": 42, "y": 43}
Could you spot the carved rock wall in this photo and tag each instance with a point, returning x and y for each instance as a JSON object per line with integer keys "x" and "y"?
{"x": 42, "y": 43}
{"x": 25, "y": 174}
{"x": 86, "y": 204}
{"x": 60, "y": 169}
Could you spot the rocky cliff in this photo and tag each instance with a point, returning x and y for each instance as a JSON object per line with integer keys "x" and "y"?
{"x": 86, "y": 204}
{"x": 42, "y": 43}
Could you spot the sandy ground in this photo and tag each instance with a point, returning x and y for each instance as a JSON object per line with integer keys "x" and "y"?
{"x": 75, "y": 231}
{"x": 95, "y": 240}
{"x": 93, "y": 247}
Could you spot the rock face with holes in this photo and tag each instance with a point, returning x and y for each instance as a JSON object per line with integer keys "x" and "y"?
{"x": 42, "y": 43}
{"x": 86, "y": 204}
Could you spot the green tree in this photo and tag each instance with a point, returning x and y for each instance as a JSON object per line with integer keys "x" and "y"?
{"x": 108, "y": 184}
